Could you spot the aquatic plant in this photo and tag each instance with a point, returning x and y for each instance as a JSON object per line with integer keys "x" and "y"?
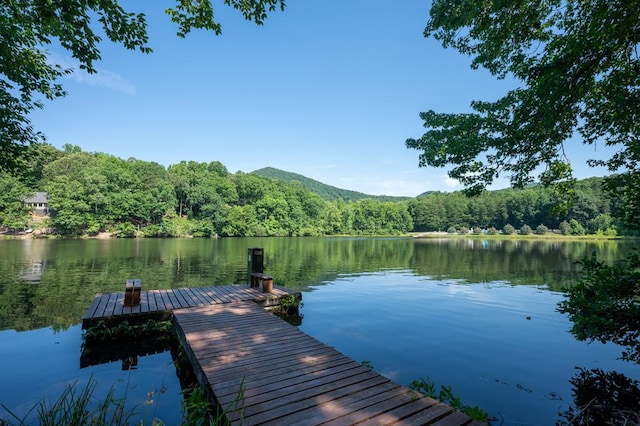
{"x": 198, "y": 411}
{"x": 445, "y": 395}
{"x": 104, "y": 332}
{"x": 77, "y": 406}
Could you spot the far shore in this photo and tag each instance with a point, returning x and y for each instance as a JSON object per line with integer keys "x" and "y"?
{"x": 532, "y": 236}
{"x": 417, "y": 235}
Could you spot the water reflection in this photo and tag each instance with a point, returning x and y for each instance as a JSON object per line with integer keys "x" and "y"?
{"x": 601, "y": 397}
{"x": 50, "y": 283}
{"x": 477, "y": 314}
{"x": 502, "y": 347}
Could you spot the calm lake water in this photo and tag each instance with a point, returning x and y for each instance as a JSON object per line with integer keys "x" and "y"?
{"x": 479, "y": 315}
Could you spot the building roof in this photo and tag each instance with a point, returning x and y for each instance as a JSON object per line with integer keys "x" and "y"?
{"x": 38, "y": 197}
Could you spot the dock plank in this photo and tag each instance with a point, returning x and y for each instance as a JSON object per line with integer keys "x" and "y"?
{"x": 151, "y": 300}
{"x": 197, "y": 297}
{"x": 93, "y": 307}
{"x": 184, "y": 303}
{"x": 158, "y": 298}
{"x": 119, "y": 307}
{"x": 111, "y": 305}
{"x": 338, "y": 409}
{"x": 175, "y": 303}
{"x": 145, "y": 305}
{"x": 287, "y": 377}
{"x": 102, "y": 305}
{"x": 211, "y": 293}
{"x": 170, "y": 300}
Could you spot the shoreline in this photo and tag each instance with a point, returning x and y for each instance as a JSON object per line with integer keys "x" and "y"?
{"x": 532, "y": 236}
{"x": 415, "y": 235}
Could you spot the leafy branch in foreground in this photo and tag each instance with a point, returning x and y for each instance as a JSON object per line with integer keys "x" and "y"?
{"x": 28, "y": 72}
{"x": 605, "y": 304}
{"x": 575, "y": 67}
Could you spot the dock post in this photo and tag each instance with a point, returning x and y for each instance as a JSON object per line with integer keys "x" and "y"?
{"x": 255, "y": 263}
{"x": 267, "y": 284}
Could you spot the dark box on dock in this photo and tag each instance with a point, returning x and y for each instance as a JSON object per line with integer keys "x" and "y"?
{"x": 132, "y": 292}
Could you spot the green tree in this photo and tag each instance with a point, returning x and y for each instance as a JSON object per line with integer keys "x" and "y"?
{"x": 13, "y": 213}
{"x": 74, "y": 193}
{"x": 240, "y": 222}
{"x": 577, "y": 228}
{"x": 155, "y": 191}
{"x": 602, "y": 223}
{"x": 565, "y": 228}
{"x": 39, "y": 156}
{"x": 250, "y": 188}
{"x": 541, "y": 229}
{"x": 576, "y": 64}
{"x": 27, "y": 73}
{"x": 428, "y": 212}
{"x": 73, "y": 214}
{"x": 203, "y": 190}
{"x": 332, "y": 219}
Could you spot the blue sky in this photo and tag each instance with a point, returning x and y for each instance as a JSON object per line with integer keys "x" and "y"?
{"x": 328, "y": 89}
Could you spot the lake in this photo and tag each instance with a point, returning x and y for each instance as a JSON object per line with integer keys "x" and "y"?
{"x": 478, "y": 315}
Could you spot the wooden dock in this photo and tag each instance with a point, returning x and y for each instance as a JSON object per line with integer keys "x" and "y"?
{"x": 160, "y": 304}
{"x": 263, "y": 370}
{"x": 266, "y": 371}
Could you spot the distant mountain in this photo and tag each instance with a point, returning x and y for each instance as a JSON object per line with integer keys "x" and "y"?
{"x": 326, "y": 192}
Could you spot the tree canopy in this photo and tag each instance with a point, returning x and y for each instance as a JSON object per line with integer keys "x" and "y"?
{"x": 578, "y": 71}
{"x": 28, "y": 27}
{"x": 89, "y": 193}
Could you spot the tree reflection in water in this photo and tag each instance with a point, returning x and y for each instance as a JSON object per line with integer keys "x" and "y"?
{"x": 603, "y": 398}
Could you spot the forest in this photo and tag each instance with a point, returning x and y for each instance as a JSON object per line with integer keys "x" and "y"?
{"x": 91, "y": 193}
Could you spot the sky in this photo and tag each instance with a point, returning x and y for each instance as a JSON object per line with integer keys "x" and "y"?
{"x": 330, "y": 89}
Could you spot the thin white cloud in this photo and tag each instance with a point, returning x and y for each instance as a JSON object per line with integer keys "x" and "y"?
{"x": 450, "y": 182}
{"x": 103, "y": 78}
{"x": 379, "y": 186}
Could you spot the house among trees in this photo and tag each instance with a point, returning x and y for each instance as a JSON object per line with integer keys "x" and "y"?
{"x": 38, "y": 204}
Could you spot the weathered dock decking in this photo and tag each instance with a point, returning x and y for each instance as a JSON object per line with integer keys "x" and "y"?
{"x": 267, "y": 371}
{"x": 160, "y": 304}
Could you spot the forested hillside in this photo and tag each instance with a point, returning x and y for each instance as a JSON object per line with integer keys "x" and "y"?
{"x": 91, "y": 193}
{"x": 592, "y": 210}
{"x": 326, "y": 192}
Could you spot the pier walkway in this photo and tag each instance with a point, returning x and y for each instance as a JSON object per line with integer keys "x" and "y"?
{"x": 263, "y": 370}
